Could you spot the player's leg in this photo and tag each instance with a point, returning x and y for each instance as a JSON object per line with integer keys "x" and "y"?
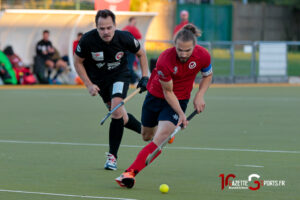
{"x": 117, "y": 92}
{"x": 168, "y": 120}
{"x": 60, "y": 66}
{"x": 150, "y": 113}
{"x": 148, "y": 132}
{"x": 130, "y": 121}
{"x": 168, "y": 114}
{"x": 114, "y": 139}
{"x": 127, "y": 179}
{"x": 50, "y": 66}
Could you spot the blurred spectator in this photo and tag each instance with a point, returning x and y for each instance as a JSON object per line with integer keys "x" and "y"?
{"x": 131, "y": 28}
{"x": 75, "y": 42}
{"x": 44, "y": 51}
{"x": 184, "y": 20}
{"x": 23, "y": 74}
{"x": 7, "y": 73}
{"x": 78, "y": 81}
{"x": 60, "y": 64}
{"x": 47, "y": 57}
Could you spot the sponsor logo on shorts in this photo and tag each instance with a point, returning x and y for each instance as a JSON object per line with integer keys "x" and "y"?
{"x": 98, "y": 56}
{"x": 118, "y": 88}
{"x": 113, "y": 65}
{"x": 192, "y": 65}
{"x": 175, "y": 116}
{"x": 119, "y": 55}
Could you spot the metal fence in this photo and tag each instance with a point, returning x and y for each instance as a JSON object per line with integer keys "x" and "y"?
{"x": 238, "y": 61}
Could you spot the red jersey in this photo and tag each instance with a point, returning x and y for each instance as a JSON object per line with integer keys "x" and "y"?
{"x": 179, "y": 26}
{"x": 134, "y": 31}
{"x": 169, "y": 67}
{"x": 75, "y": 43}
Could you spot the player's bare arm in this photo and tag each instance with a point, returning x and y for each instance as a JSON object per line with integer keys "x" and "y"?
{"x": 173, "y": 101}
{"x": 141, "y": 54}
{"x": 92, "y": 88}
{"x": 199, "y": 102}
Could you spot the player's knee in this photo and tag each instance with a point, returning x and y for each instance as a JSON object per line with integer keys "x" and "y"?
{"x": 117, "y": 114}
{"x": 125, "y": 118}
{"x": 147, "y": 135}
{"x": 146, "y": 138}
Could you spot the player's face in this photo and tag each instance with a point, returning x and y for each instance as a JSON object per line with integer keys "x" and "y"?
{"x": 184, "y": 49}
{"x": 106, "y": 28}
{"x": 46, "y": 36}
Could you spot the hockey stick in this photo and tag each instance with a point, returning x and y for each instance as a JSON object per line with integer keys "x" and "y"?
{"x": 153, "y": 154}
{"x": 119, "y": 105}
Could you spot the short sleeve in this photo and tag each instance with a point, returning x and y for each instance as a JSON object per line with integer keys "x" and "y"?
{"x": 130, "y": 42}
{"x": 81, "y": 49}
{"x": 163, "y": 72}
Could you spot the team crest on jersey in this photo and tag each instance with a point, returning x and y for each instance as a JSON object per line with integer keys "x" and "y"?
{"x": 78, "y": 48}
{"x": 119, "y": 55}
{"x": 175, "y": 70}
{"x": 192, "y": 65}
{"x": 160, "y": 74}
{"x": 98, "y": 56}
{"x": 136, "y": 43}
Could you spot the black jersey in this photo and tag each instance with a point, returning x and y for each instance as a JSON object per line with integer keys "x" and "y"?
{"x": 43, "y": 45}
{"x": 104, "y": 60}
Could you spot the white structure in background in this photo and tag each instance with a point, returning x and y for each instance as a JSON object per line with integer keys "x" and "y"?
{"x": 272, "y": 59}
{"x": 23, "y": 28}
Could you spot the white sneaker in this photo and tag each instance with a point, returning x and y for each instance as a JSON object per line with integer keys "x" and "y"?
{"x": 111, "y": 162}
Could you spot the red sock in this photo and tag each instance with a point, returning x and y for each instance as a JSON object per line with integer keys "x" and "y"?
{"x": 140, "y": 161}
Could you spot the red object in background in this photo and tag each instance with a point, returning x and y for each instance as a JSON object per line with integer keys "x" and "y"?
{"x": 134, "y": 31}
{"x": 114, "y": 5}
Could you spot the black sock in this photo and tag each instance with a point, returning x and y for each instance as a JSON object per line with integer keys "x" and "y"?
{"x": 59, "y": 71}
{"x": 49, "y": 73}
{"x": 133, "y": 124}
{"x": 115, "y": 135}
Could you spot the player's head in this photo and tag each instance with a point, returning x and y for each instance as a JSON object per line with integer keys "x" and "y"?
{"x": 185, "y": 41}
{"x": 106, "y": 24}
{"x": 46, "y": 35}
{"x": 184, "y": 15}
{"x": 8, "y": 50}
{"x": 132, "y": 21}
{"x": 79, "y": 35}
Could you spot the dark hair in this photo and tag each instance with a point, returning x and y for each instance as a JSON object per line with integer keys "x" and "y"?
{"x": 8, "y": 51}
{"x": 187, "y": 33}
{"x": 79, "y": 34}
{"x": 131, "y": 18}
{"x": 104, "y": 14}
{"x": 45, "y": 31}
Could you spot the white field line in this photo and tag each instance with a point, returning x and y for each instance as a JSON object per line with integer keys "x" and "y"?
{"x": 138, "y": 146}
{"x": 63, "y": 195}
{"x": 256, "y": 166}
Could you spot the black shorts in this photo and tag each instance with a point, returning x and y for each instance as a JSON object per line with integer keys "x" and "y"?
{"x": 156, "y": 109}
{"x": 114, "y": 87}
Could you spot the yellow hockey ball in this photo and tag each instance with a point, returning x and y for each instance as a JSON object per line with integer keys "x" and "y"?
{"x": 164, "y": 188}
